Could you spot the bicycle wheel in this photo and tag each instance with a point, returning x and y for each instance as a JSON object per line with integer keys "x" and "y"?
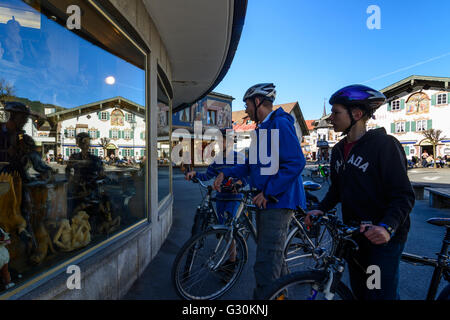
{"x": 194, "y": 274}
{"x": 308, "y": 285}
{"x": 445, "y": 294}
{"x": 301, "y": 254}
{"x": 317, "y": 177}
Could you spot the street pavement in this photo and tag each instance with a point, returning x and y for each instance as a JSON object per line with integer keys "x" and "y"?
{"x": 424, "y": 239}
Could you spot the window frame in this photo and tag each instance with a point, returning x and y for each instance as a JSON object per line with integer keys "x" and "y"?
{"x": 438, "y": 95}
{"x": 396, "y": 105}
{"x": 421, "y": 125}
{"x": 402, "y": 125}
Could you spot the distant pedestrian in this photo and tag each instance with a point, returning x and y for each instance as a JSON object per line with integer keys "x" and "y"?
{"x": 424, "y": 159}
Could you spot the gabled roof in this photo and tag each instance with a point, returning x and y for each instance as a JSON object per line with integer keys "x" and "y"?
{"x": 239, "y": 116}
{"x": 310, "y": 124}
{"x": 120, "y": 102}
{"x": 413, "y": 83}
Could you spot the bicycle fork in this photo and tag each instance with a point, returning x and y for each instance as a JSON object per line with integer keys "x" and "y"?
{"x": 215, "y": 266}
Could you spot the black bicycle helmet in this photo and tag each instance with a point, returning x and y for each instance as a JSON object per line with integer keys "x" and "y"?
{"x": 264, "y": 90}
{"x": 358, "y": 96}
{"x": 12, "y": 106}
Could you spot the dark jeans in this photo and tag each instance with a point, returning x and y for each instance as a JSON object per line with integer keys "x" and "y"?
{"x": 387, "y": 258}
{"x": 272, "y": 227}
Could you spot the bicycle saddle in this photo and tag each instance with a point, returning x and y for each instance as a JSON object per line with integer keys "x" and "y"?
{"x": 312, "y": 186}
{"x": 439, "y": 221}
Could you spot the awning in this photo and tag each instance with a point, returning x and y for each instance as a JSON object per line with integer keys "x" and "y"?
{"x": 201, "y": 38}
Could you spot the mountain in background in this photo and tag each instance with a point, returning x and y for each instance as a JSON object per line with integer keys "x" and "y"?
{"x": 35, "y": 106}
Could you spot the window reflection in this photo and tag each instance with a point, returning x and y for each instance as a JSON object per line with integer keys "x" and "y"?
{"x": 163, "y": 145}
{"x": 72, "y": 145}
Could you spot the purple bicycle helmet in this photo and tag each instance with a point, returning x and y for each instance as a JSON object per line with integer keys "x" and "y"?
{"x": 358, "y": 96}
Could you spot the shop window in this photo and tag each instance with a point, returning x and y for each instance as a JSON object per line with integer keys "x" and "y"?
{"x": 47, "y": 64}
{"x": 163, "y": 145}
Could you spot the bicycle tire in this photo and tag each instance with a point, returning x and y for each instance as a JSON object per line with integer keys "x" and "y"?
{"x": 189, "y": 283}
{"x": 445, "y": 294}
{"x": 294, "y": 283}
{"x": 298, "y": 254}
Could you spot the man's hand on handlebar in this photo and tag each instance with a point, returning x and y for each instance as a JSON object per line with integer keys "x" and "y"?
{"x": 218, "y": 182}
{"x": 376, "y": 234}
{"x": 190, "y": 175}
{"x": 260, "y": 201}
{"x": 315, "y": 213}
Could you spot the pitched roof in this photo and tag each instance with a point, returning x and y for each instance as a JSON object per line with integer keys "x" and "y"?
{"x": 310, "y": 124}
{"x": 287, "y": 107}
{"x": 238, "y": 116}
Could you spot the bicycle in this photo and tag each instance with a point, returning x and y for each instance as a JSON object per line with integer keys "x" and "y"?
{"x": 305, "y": 246}
{"x": 320, "y": 174}
{"x": 441, "y": 264}
{"x": 205, "y": 214}
{"x": 327, "y": 281}
{"x": 203, "y": 263}
{"x": 324, "y": 282}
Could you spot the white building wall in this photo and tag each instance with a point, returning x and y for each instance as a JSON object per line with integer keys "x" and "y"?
{"x": 104, "y": 127}
{"x": 438, "y": 114}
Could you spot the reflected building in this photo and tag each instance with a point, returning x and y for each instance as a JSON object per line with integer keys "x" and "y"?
{"x": 64, "y": 76}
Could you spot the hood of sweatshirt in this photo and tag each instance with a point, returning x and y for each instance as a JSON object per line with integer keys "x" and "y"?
{"x": 276, "y": 114}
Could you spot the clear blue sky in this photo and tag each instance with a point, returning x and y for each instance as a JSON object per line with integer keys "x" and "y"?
{"x": 310, "y": 49}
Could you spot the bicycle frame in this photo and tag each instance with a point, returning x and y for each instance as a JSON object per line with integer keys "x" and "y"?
{"x": 233, "y": 228}
{"x": 441, "y": 266}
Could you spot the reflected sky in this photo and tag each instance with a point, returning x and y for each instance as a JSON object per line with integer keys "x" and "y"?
{"x": 46, "y": 62}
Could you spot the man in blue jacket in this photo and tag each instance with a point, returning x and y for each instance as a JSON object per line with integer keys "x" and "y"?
{"x": 284, "y": 183}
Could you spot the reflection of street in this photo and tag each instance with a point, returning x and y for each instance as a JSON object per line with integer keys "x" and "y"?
{"x": 155, "y": 283}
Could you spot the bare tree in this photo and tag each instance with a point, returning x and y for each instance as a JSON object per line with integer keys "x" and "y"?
{"x": 433, "y": 136}
{"x": 6, "y": 90}
{"x": 104, "y": 142}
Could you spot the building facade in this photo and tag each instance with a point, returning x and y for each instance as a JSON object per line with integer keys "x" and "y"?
{"x": 416, "y": 104}
{"x": 123, "y": 62}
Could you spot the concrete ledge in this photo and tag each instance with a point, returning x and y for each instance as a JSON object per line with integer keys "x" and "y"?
{"x": 419, "y": 189}
{"x": 439, "y": 197}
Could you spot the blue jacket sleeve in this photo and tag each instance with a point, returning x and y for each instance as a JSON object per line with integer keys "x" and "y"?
{"x": 238, "y": 171}
{"x": 210, "y": 173}
{"x": 291, "y": 159}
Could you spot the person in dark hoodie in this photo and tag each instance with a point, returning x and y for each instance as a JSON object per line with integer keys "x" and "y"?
{"x": 278, "y": 178}
{"x": 369, "y": 178}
